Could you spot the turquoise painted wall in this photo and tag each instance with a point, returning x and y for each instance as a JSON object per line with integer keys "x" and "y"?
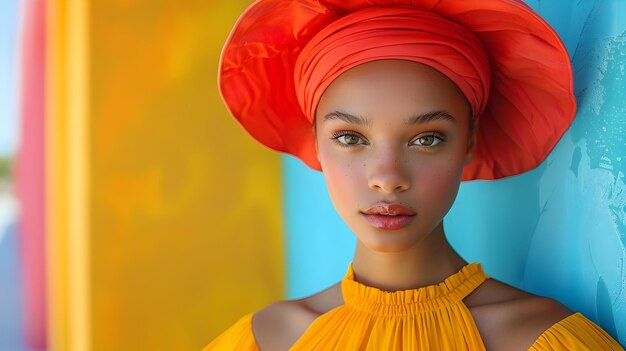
{"x": 558, "y": 230}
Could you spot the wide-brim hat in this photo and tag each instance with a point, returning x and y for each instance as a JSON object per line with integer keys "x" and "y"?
{"x": 530, "y": 104}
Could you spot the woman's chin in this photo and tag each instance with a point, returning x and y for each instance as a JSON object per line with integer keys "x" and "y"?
{"x": 385, "y": 241}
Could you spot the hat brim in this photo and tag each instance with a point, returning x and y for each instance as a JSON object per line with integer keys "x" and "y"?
{"x": 531, "y": 103}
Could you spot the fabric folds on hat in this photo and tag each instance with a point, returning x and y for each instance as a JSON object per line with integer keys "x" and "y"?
{"x": 281, "y": 56}
{"x": 403, "y": 33}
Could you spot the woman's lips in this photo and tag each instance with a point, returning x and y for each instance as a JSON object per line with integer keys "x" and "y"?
{"x": 388, "y": 222}
{"x": 388, "y": 216}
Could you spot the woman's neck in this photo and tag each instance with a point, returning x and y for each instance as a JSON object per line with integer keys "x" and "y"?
{"x": 429, "y": 262}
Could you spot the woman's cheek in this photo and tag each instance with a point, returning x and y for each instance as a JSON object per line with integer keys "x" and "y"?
{"x": 438, "y": 185}
{"x": 342, "y": 181}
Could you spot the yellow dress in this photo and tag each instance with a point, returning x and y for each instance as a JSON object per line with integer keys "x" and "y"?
{"x": 433, "y": 317}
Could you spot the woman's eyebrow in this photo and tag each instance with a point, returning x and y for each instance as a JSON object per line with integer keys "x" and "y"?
{"x": 348, "y": 118}
{"x": 430, "y": 117}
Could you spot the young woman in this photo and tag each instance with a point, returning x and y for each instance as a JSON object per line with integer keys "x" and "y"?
{"x": 397, "y": 102}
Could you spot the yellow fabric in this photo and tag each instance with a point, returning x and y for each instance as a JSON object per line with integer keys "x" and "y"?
{"x": 429, "y": 318}
{"x": 237, "y": 337}
{"x": 573, "y": 333}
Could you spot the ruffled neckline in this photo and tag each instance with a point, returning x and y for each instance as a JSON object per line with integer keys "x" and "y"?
{"x": 449, "y": 292}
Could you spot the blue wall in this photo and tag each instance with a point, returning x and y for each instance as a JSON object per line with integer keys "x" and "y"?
{"x": 558, "y": 230}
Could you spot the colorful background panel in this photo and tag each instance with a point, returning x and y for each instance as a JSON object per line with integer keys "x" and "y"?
{"x": 185, "y": 229}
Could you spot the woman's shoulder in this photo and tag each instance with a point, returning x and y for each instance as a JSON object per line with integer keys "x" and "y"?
{"x": 279, "y": 325}
{"x": 505, "y": 315}
{"x": 508, "y": 316}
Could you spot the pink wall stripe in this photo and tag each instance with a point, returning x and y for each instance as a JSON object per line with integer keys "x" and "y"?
{"x": 29, "y": 175}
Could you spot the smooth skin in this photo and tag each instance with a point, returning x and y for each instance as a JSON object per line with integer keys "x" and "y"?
{"x": 374, "y": 145}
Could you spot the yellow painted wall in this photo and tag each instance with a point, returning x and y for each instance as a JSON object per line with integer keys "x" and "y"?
{"x": 67, "y": 176}
{"x": 183, "y": 209}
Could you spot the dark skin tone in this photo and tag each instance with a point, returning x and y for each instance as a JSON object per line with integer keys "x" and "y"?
{"x": 371, "y": 149}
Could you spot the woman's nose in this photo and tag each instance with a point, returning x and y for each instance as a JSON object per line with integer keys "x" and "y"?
{"x": 389, "y": 174}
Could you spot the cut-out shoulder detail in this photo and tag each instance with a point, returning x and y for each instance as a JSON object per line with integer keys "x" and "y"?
{"x": 493, "y": 291}
{"x": 506, "y": 315}
{"x": 279, "y": 325}
{"x": 517, "y": 323}
{"x": 541, "y": 314}
{"x": 324, "y": 300}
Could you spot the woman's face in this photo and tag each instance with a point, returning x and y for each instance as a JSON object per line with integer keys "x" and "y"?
{"x": 392, "y": 132}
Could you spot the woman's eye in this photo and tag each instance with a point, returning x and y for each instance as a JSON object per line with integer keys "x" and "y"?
{"x": 349, "y": 139}
{"x": 428, "y": 140}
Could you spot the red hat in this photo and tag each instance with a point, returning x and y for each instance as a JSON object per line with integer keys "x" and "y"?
{"x": 509, "y": 63}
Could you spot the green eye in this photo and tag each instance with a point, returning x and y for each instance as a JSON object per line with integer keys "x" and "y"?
{"x": 428, "y": 140}
{"x": 349, "y": 139}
